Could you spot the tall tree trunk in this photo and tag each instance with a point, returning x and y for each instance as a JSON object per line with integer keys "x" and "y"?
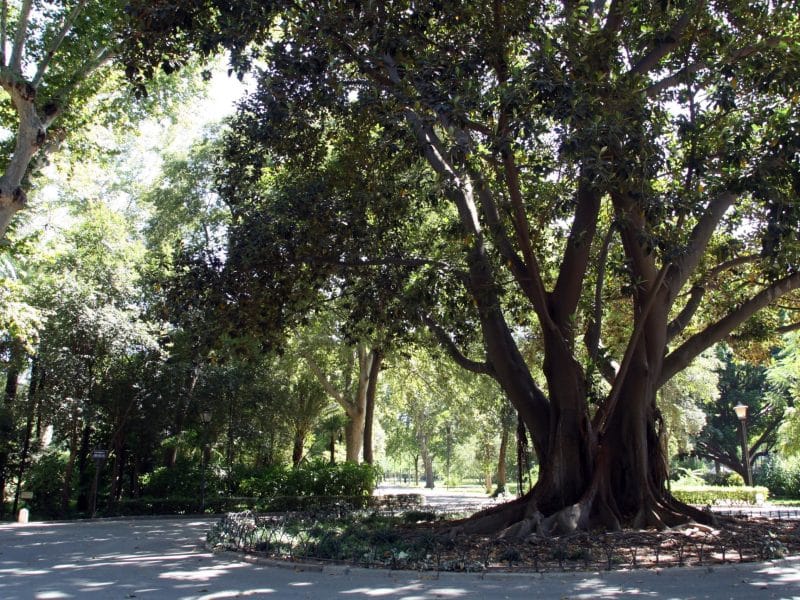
{"x": 297, "y": 448}
{"x": 85, "y": 475}
{"x": 7, "y": 430}
{"x": 501, "y": 460}
{"x": 26, "y": 440}
{"x": 427, "y": 460}
{"x": 66, "y": 488}
{"x": 354, "y": 435}
{"x": 372, "y": 388}
{"x": 183, "y": 405}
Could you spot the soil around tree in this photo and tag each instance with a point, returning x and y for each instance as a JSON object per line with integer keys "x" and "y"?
{"x": 735, "y": 540}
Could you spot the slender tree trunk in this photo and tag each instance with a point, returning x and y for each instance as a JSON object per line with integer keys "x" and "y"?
{"x": 66, "y": 489}
{"x": 85, "y": 475}
{"x": 184, "y": 402}
{"x": 297, "y": 449}
{"x": 501, "y": 460}
{"x": 7, "y": 425}
{"x": 26, "y": 441}
{"x": 372, "y": 388}
{"x": 427, "y": 461}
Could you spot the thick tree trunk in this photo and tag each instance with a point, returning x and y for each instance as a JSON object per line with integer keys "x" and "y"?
{"x": 354, "y": 436}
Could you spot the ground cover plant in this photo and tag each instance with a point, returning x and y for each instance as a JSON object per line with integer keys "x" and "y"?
{"x": 424, "y": 540}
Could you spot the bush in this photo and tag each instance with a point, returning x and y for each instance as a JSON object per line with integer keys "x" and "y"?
{"x": 710, "y": 495}
{"x": 45, "y": 479}
{"x": 184, "y": 480}
{"x": 725, "y": 478}
{"x": 781, "y": 476}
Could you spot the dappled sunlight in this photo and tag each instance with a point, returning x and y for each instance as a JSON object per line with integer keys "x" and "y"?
{"x": 51, "y": 595}
{"x": 119, "y": 560}
{"x": 237, "y": 594}
{"x": 777, "y": 575}
{"x": 201, "y": 574}
{"x": 596, "y": 587}
{"x": 377, "y": 592}
{"x": 23, "y": 571}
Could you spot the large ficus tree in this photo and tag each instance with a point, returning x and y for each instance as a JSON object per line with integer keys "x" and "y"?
{"x": 622, "y": 180}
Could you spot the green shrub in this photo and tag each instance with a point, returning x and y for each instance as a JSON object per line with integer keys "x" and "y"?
{"x": 710, "y": 495}
{"x": 725, "y": 478}
{"x": 184, "y": 480}
{"x": 45, "y": 479}
{"x": 781, "y": 476}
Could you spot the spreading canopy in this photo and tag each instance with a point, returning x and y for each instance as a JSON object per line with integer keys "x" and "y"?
{"x": 621, "y": 183}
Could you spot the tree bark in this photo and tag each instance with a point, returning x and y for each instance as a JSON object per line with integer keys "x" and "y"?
{"x": 297, "y": 447}
{"x": 26, "y": 441}
{"x": 372, "y": 388}
{"x": 501, "y": 460}
{"x": 354, "y": 435}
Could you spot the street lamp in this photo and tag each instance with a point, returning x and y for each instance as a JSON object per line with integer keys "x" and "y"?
{"x": 741, "y": 413}
{"x": 205, "y": 418}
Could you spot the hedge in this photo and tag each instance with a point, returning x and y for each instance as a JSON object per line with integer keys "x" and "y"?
{"x": 711, "y": 495}
{"x": 225, "y": 504}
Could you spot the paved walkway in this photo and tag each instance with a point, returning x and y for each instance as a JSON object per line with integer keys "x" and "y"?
{"x": 160, "y": 559}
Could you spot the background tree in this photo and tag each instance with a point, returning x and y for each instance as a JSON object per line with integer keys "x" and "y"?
{"x": 60, "y": 75}
{"x": 741, "y": 383}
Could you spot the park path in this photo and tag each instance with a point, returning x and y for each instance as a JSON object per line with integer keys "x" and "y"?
{"x": 161, "y": 559}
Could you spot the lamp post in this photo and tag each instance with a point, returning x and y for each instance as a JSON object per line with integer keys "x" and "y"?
{"x": 99, "y": 455}
{"x": 741, "y": 413}
{"x": 205, "y": 418}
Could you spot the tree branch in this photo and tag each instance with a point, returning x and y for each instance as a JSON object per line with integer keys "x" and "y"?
{"x": 69, "y": 21}
{"x": 697, "y": 293}
{"x": 574, "y": 263}
{"x": 698, "y": 241}
{"x": 326, "y": 383}
{"x": 679, "y": 77}
{"x": 20, "y": 36}
{"x": 788, "y": 328}
{"x": 679, "y": 323}
{"x": 762, "y": 439}
{"x": 680, "y": 358}
{"x": 453, "y": 351}
{"x": 101, "y": 58}
{"x": 601, "y": 418}
{"x": 650, "y": 60}
{"x": 3, "y": 32}
{"x": 592, "y": 337}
